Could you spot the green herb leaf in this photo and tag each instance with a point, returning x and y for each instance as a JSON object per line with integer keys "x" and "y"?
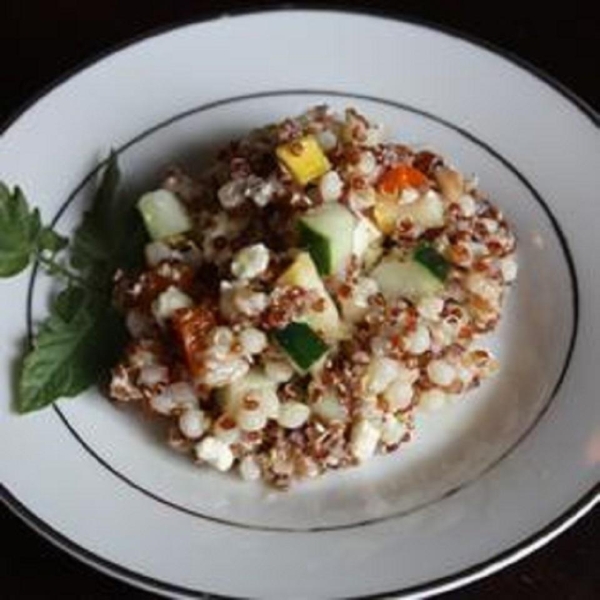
{"x": 74, "y": 344}
{"x": 19, "y": 230}
{"x": 94, "y": 239}
{"x": 83, "y": 333}
{"x": 110, "y": 233}
{"x": 51, "y": 241}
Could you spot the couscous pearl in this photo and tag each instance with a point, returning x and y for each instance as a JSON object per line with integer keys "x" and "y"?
{"x": 419, "y": 341}
{"x": 399, "y": 395}
{"x": 192, "y": 423}
{"x": 441, "y": 372}
{"x": 279, "y": 371}
{"x": 293, "y": 414}
{"x": 253, "y": 340}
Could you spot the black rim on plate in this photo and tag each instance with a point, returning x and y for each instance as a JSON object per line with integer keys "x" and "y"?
{"x": 473, "y": 573}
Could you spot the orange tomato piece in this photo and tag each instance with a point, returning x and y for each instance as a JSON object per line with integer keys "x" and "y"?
{"x": 191, "y": 326}
{"x": 400, "y": 177}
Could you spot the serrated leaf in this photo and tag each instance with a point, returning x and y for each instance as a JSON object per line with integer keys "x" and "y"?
{"x": 73, "y": 345}
{"x": 19, "y": 229}
{"x": 95, "y": 239}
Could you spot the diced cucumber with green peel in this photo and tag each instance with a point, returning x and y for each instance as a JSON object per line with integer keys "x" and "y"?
{"x": 405, "y": 279}
{"x": 164, "y": 215}
{"x": 327, "y": 233}
{"x": 301, "y": 344}
{"x": 431, "y": 259}
{"x": 303, "y": 273}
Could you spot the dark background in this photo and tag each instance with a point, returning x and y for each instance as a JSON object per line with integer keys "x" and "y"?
{"x": 40, "y": 40}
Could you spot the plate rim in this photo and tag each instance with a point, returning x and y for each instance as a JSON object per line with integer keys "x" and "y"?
{"x": 520, "y": 550}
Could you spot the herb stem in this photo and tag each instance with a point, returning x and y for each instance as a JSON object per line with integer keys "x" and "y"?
{"x": 56, "y": 267}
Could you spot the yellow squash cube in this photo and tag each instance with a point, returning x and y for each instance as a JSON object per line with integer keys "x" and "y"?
{"x": 304, "y": 159}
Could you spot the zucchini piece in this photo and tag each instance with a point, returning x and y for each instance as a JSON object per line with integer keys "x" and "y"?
{"x": 164, "y": 215}
{"x": 303, "y": 273}
{"x": 407, "y": 279}
{"x": 431, "y": 259}
{"x": 301, "y": 344}
{"x": 327, "y": 233}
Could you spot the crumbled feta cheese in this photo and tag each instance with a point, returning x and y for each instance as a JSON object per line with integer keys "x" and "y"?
{"x": 408, "y": 195}
{"x": 170, "y": 301}
{"x": 509, "y": 269}
{"x": 363, "y": 439}
{"x": 331, "y": 186}
{"x": 215, "y": 453}
{"x": 365, "y": 233}
{"x": 250, "y": 261}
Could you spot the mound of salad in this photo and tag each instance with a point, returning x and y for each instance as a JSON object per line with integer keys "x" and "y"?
{"x": 300, "y": 299}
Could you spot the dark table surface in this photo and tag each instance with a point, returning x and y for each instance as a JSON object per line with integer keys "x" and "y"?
{"x": 40, "y": 40}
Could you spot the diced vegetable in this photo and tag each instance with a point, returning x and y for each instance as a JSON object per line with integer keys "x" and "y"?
{"x": 396, "y": 179}
{"x": 303, "y": 273}
{"x": 327, "y": 233}
{"x": 233, "y": 394}
{"x": 430, "y": 258}
{"x": 406, "y": 279}
{"x": 301, "y": 344}
{"x": 364, "y": 236}
{"x": 304, "y": 159}
{"x": 164, "y": 215}
{"x": 191, "y": 326}
{"x": 427, "y": 212}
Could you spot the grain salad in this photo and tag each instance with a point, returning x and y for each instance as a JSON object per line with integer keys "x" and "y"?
{"x": 308, "y": 293}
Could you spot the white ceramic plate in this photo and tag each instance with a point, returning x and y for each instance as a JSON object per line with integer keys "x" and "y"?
{"x": 487, "y": 481}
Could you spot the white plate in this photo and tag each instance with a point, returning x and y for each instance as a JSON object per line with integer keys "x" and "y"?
{"x": 487, "y": 481}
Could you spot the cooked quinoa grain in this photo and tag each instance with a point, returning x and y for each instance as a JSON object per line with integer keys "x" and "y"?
{"x": 310, "y": 291}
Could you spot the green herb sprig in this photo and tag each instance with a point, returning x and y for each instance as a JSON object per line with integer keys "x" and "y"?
{"x": 83, "y": 333}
